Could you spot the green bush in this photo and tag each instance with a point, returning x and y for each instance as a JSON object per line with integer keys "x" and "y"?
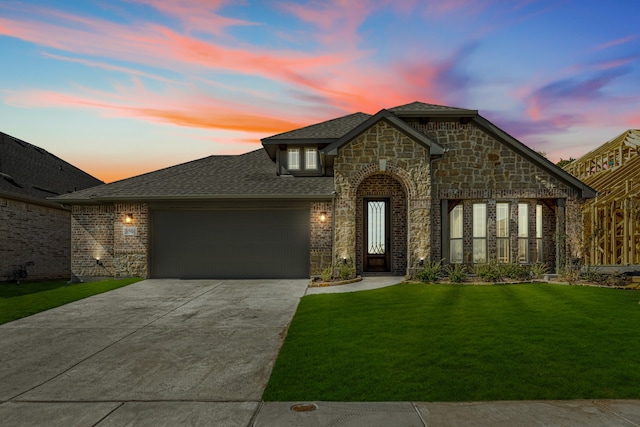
{"x": 457, "y": 273}
{"x": 432, "y": 272}
{"x": 327, "y": 273}
{"x": 519, "y": 272}
{"x": 347, "y": 270}
{"x": 539, "y": 269}
{"x": 488, "y": 272}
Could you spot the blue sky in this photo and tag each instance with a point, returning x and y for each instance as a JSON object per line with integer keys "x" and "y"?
{"x": 120, "y": 88}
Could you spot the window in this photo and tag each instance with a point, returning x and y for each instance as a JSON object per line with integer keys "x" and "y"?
{"x": 455, "y": 235}
{"x": 539, "y": 254}
{"x": 479, "y": 233}
{"x": 502, "y": 232}
{"x": 293, "y": 158}
{"x": 310, "y": 158}
{"x": 523, "y": 232}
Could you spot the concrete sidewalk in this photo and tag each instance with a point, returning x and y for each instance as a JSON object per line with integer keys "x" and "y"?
{"x": 579, "y": 413}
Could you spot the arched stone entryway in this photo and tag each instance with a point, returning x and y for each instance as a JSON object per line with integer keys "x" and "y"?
{"x": 381, "y": 225}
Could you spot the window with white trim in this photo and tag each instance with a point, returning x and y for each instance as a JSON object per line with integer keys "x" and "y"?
{"x": 293, "y": 158}
{"x": 523, "y": 232}
{"x": 479, "y": 233}
{"x": 539, "y": 248}
{"x": 455, "y": 235}
{"x": 311, "y": 158}
{"x": 502, "y": 232}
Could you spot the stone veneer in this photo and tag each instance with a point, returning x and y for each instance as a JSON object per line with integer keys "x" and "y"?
{"x": 97, "y": 234}
{"x": 477, "y": 167}
{"x": 35, "y": 235}
{"x": 382, "y": 149}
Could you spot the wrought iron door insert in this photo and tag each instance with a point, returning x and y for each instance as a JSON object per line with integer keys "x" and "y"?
{"x": 377, "y": 236}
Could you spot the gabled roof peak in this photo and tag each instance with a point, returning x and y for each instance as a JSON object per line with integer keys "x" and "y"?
{"x": 416, "y": 108}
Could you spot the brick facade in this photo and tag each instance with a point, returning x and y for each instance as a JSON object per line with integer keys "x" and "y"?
{"x": 321, "y": 217}
{"x": 97, "y": 235}
{"x": 35, "y": 235}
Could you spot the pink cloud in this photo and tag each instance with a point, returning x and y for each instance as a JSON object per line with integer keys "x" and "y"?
{"x": 206, "y": 113}
{"x": 616, "y": 42}
{"x": 196, "y": 15}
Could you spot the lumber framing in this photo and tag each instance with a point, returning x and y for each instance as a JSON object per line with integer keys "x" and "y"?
{"x": 611, "y": 221}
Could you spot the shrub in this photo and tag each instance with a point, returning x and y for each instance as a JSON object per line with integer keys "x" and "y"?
{"x": 519, "y": 272}
{"x": 347, "y": 270}
{"x": 327, "y": 273}
{"x": 431, "y": 272}
{"x": 539, "y": 269}
{"x": 457, "y": 273}
{"x": 591, "y": 274}
{"x": 488, "y": 272}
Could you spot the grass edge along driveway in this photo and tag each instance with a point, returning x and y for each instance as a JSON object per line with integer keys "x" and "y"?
{"x": 462, "y": 343}
{"x": 28, "y": 298}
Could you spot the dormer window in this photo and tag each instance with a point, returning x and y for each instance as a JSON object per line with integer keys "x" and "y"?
{"x": 293, "y": 158}
{"x": 310, "y": 158}
{"x": 303, "y": 161}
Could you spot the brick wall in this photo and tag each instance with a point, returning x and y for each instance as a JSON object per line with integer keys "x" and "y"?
{"x": 321, "y": 236}
{"x": 97, "y": 233}
{"x": 35, "y": 234}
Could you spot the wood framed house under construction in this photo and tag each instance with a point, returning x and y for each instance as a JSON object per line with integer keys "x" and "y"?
{"x": 611, "y": 221}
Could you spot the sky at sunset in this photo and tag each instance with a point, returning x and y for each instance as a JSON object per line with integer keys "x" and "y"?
{"x": 122, "y": 87}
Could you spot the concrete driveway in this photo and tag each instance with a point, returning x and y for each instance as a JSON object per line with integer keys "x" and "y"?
{"x": 158, "y": 352}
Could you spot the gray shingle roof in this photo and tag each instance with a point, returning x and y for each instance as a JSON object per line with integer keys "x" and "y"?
{"x": 331, "y": 129}
{"x": 422, "y": 109}
{"x": 30, "y": 171}
{"x": 250, "y": 175}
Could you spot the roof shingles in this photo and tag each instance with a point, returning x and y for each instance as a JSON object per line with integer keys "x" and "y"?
{"x": 250, "y": 175}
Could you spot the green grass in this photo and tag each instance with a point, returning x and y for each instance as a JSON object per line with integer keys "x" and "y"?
{"x": 25, "y": 299}
{"x": 462, "y": 343}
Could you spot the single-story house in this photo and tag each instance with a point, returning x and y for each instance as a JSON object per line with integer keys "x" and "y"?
{"x": 611, "y": 221}
{"x": 388, "y": 192}
{"x": 35, "y": 241}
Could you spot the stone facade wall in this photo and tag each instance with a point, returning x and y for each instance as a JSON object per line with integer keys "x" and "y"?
{"x": 477, "y": 167}
{"x": 321, "y": 236}
{"x": 383, "y": 150}
{"x": 97, "y": 233}
{"x": 35, "y": 236}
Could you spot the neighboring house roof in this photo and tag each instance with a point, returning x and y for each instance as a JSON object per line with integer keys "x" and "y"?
{"x": 247, "y": 176}
{"x": 27, "y": 171}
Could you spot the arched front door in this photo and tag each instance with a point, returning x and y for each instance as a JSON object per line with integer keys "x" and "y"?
{"x": 381, "y": 226}
{"x": 376, "y": 235}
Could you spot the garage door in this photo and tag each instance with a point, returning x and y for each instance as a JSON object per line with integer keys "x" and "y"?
{"x": 229, "y": 244}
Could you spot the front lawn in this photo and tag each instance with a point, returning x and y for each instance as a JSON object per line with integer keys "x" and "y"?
{"x": 25, "y": 299}
{"x": 462, "y": 343}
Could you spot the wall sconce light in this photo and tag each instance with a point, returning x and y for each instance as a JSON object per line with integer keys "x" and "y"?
{"x": 421, "y": 262}
{"x": 323, "y": 216}
{"x": 128, "y": 218}
{"x": 99, "y": 262}
{"x": 344, "y": 260}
